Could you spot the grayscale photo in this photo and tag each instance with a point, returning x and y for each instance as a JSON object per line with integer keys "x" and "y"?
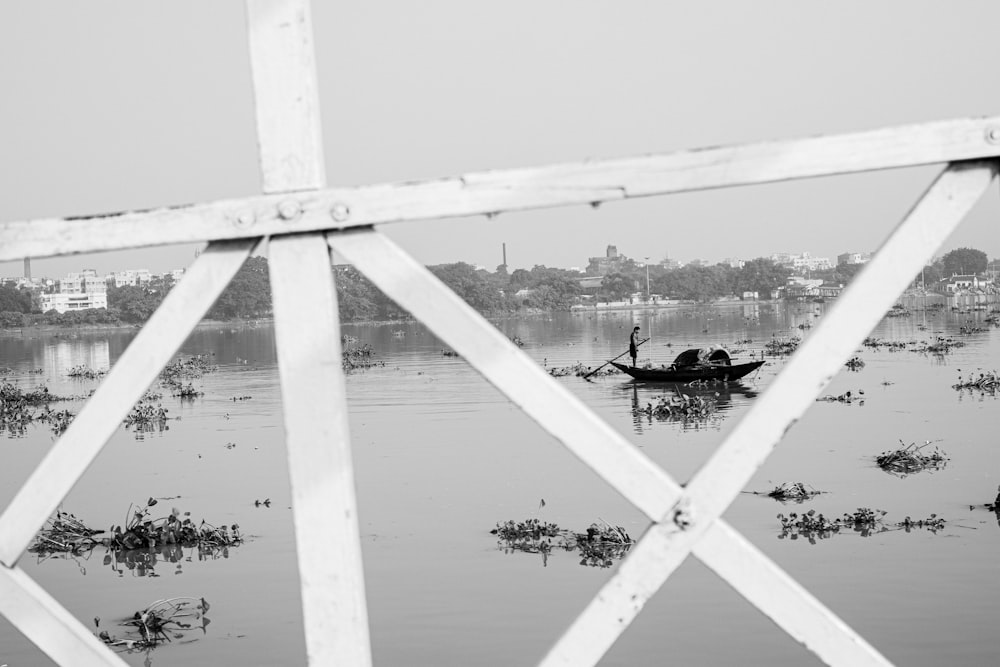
{"x": 432, "y": 334}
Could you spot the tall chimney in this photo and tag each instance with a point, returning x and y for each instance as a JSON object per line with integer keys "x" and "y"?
{"x": 504, "y": 256}
{"x": 27, "y": 268}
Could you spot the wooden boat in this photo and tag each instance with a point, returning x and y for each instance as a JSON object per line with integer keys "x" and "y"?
{"x": 694, "y": 364}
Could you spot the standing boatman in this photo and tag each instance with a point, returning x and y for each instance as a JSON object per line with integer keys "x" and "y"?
{"x": 633, "y": 344}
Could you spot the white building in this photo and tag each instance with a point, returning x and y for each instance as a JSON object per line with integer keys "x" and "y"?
{"x": 131, "y": 277}
{"x": 854, "y": 258}
{"x": 63, "y": 302}
{"x": 77, "y": 291}
{"x": 84, "y": 282}
{"x": 807, "y": 262}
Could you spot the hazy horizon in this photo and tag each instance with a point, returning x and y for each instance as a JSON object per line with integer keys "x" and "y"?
{"x": 142, "y": 105}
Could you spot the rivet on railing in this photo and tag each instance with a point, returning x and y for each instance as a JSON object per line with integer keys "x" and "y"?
{"x": 244, "y": 219}
{"x": 993, "y": 135}
{"x": 289, "y": 210}
{"x": 340, "y": 212}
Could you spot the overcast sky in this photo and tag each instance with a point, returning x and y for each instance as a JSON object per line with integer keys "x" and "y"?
{"x": 111, "y": 105}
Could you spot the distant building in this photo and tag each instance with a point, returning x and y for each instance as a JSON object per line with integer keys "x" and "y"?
{"x": 132, "y": 278}
{"x": 733, "y": 262}
{"x": 610, "y": 263}
{"x": 62, "y": 302}
{"x": 797, "y": 287}
{"x": 803, "y": 262}
{"x": 77, "y": 291}
{"x": 670, "y": 264}
{"x": 830, "y": 290}
{"x": 964, "y": 283}
{"x": 782, "y": 259}
{"x": 84, "y": 282}
{"x": 806, "y": 262}
{"x": 854, "y": 258}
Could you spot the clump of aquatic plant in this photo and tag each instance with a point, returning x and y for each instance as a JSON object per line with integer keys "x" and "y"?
{"x": 191, "y": 368}
{"x": 150, "y": 395}
{"x": 847, "y": 397}
{"x": 864, "y": 521}
{"x": 17, "y": 409}
{"x": 145, "y": 417}
{"x": 882, "y": 344}
{"x": 528, "y": 530}
{"x": 65, "y": 533}
{"x": 354, "y": 357}
{"x": 86, "y": 373}
{"x": 579, "y": 370}
{"x": 58, "y": 420}
{"x": 911, "y": 458}
{"x": 968, "y": 329}
{"x": 986, "y": 382}
{"x": 449, "y": 353}
{"x": 939, "y": 345}
{"x": 681, "y": 407}
{"x": 158, "y": 623}
{"x": 187, "y": 391}
{"x": 779, "y": 346}
{"x": 795, "y": 492}
{"x": 855, "y": 364}
{"x": 517, "y": 341}
{"x": 603, "y": 544}
{"x": 599, "y": 546}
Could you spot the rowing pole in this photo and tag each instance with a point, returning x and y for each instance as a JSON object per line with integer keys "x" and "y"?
{"x": 610, "y": 360}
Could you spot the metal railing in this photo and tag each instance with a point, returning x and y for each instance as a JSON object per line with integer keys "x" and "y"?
{"x": 301, "y": 220}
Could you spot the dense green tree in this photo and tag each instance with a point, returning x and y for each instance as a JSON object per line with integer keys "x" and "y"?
{"x": 133, "y": 303}
{"x": 964, "y": 261}
{"x": 617, "y": 286}
{"x": 249, "y": 293}
{"x": 12, "y": 319}
{"x": 15, "y": 300}
{"x": 760, "y": 275}
{"x": 471, "y": 285}
{"x": 696, "y": 283}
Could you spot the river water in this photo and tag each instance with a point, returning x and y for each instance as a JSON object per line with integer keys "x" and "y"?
{"x": 441, "y": 457}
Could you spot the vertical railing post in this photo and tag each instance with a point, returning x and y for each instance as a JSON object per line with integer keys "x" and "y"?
{"x": 307, "y": 330}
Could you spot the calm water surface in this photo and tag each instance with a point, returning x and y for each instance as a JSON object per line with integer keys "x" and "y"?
{"x": 441, "y": 457}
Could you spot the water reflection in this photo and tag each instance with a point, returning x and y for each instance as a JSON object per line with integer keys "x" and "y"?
{"x": 62, "y": 355}
{"x": 141, "y": 562}
{"x": 690, "y": 406}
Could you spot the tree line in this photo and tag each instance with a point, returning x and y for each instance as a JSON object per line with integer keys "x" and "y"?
{"x": 248, "y": 296}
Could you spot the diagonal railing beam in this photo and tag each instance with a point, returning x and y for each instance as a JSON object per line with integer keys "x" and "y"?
{"x": 810, "y": 369}
{"x": 49, "y": 626}
{"x": 279, "y": 66}
{"x": 102, "y": 415}
{"x": 552, "y": 406}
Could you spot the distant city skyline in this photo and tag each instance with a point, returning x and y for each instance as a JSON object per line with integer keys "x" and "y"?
{"x": 76, "y": 263}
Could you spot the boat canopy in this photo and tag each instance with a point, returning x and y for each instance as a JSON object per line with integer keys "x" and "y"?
{"x": 703, "y": 355}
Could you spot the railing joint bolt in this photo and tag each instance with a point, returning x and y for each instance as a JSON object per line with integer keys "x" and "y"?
{"x": 244, "y": 219}
{"x": 993, "y": 135}
{"x": 289, "y": 210}
{"x": 340, "y": 212}
{"x": 683, "y": 516}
